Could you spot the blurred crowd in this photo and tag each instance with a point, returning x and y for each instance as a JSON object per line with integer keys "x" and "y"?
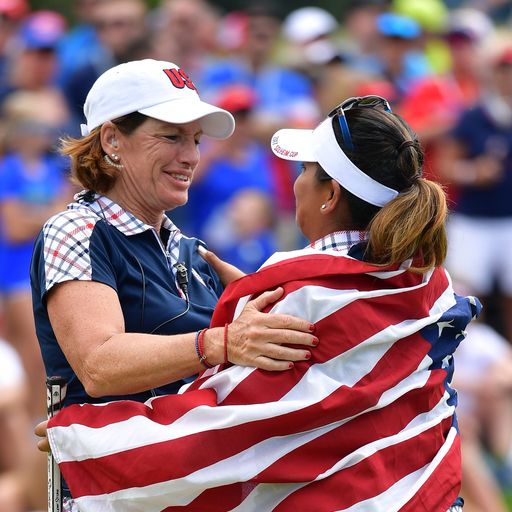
{"x": 445, "y": 66}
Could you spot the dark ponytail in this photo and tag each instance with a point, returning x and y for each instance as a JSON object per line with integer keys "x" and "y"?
{"x": 413, "y": 224}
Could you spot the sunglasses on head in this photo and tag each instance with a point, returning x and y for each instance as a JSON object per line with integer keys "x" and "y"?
{"x": 356, "y": 102}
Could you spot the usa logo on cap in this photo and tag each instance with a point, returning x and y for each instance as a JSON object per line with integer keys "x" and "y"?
{"x": 179, "y": 78}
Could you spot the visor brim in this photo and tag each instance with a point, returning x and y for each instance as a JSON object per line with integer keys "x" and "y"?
{"x": 293, "y": 144}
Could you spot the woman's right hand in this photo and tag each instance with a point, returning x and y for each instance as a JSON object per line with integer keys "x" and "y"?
{"x": 40, "y": 430}
{"x": 257, "y": 339}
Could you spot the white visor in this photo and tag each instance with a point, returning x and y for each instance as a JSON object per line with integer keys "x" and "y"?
{"x": 320, "y": 145}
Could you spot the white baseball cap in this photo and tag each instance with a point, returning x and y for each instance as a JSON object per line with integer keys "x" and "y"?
{"x": 157, "y": 89}
{"x": 320, "y": 145}
{"x": 308, "y": 23}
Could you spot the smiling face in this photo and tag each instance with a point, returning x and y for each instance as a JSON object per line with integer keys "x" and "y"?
{"x": 159, "y": 161}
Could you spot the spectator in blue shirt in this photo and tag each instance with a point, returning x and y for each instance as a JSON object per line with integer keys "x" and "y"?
{"x": 477, "y": 158}
{"x": 32, "y": 187}
{"x": 228, "y": 167}
{"x": 283, "y": 95}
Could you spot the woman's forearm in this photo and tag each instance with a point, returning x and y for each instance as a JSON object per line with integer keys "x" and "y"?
{"x": 131, "y": 363}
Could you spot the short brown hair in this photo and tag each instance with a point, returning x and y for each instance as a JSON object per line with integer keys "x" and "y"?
{"x": 88, "y": 166}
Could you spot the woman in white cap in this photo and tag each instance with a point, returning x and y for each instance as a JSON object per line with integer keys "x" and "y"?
{"x": 368, "y": 422}
{"x": 120, "y": 296}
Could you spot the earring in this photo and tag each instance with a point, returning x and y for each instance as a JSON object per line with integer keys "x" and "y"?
{"x": 111, "y": 162}
{"x": 323, "y": 207}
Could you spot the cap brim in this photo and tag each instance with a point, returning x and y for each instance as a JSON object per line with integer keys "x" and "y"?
{"x": 294, "y": 145}
{"x": 215, "y": 122}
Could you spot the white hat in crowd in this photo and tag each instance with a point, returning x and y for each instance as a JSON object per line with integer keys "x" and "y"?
{"x": 157, "y": 89}
{"x": 307, "y": 24}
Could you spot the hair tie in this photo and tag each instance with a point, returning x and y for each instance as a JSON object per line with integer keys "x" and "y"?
{"x": 406, "y": 144}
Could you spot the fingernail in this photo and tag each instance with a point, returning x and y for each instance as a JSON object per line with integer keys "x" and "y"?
{"x": 307, "y": 355}
{"x": 312, "y": 327}
{"x": 316, "y": 341}
{"x": 290, "y": 365}
{"x": 201, "y": 250}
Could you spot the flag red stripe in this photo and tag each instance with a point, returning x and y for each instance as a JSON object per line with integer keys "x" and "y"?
{"x": 368, "y": 478}
{"x": 445, "y": 480}
{"x": 121, "y": 410}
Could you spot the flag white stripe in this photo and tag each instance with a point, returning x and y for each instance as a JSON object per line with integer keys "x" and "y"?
{"x": 267, "y": 496}
{"x": 278, "y": 257}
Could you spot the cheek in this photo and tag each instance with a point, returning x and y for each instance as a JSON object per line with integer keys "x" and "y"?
{"x": 297, "y": 187}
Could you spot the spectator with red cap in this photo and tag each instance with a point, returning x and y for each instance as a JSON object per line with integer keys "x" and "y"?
{"x": 282, "y": 94}
{"x": 11, "y": 13}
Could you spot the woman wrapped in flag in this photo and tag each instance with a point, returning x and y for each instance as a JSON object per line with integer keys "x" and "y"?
{"x": 368, "y": 422}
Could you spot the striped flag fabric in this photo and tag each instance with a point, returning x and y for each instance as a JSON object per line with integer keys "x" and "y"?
{"x": 367, "y": 424}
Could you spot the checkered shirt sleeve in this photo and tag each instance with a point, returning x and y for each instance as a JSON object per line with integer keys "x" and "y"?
{"x": 66, "y": 247}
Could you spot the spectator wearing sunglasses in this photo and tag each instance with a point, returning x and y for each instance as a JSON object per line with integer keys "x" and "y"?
{"x": 368, "y": 421}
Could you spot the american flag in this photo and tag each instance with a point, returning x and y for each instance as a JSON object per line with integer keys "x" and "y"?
{"x": 367, "y": 424}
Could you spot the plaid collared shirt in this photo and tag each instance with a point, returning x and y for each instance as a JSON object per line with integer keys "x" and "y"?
{"x": 127, "y": 223}
{"x": 69, "y": 256}
{"x": 340, "y": 241}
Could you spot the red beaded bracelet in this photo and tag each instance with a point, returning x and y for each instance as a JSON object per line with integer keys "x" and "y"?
{"x": 226, "y": 343}
{"x": 200, "y": 349}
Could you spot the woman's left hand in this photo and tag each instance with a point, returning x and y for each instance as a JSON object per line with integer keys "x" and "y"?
{"x": 259, "y": 339}
{"x": 40, "y": 431}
